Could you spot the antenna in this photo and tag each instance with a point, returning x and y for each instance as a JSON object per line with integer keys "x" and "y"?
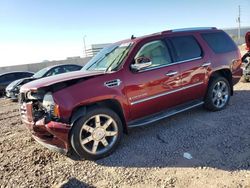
{"x": 239, "y": 21}
{"x": 133, "y": 37}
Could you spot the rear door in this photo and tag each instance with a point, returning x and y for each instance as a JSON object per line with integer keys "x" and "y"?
{"x": 11, "y": 77}
{"x": 6, "y": 80}
{"x": 193, "y": 64}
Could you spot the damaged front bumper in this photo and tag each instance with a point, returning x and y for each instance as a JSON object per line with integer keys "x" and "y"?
{"x": 52, "y": 134}
{"x": 11, "y": 94}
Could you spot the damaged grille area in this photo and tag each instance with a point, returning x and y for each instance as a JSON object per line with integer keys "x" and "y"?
{"x": 38, "y": 111}
{"x": 31, "y": 109}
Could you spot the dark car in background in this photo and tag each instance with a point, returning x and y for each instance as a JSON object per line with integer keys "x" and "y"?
{"x": 12, "y": 90}
{"x": 7, "y": 78}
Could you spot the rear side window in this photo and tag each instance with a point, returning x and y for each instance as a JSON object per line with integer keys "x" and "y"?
{"x": 186, "y": 47}
{"x": 69, "y": 68}
{"x": 20, "y": 75}
{"x": 219, "y": 42}
{"x": 26, "y": 74}
{"x": 55, "y": 71}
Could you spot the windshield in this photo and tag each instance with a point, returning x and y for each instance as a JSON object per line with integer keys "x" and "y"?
{"x": 108, "y": 58}
{"x": 40, "y": 73}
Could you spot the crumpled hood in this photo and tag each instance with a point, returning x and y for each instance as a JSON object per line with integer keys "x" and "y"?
{"x": 48, "y": 81}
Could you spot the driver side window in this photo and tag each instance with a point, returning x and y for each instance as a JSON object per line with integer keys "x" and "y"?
{"x": 157, "y": 52}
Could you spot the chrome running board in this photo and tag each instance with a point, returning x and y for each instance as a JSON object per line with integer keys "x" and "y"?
{"x": 161, "y": 115}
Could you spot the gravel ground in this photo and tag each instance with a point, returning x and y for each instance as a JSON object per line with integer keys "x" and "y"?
{"x": 219, "y": 143}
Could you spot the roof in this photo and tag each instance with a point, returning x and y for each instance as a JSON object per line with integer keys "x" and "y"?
{"x": 197, "y": 29}
{"x": 59, "y": 65}
{"x": 16, "y": 72}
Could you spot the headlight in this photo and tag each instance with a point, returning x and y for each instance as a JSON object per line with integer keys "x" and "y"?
{"x": 48, "y": 101}
{"x": 35, "y": 95}
{"x": 50, "y": 106}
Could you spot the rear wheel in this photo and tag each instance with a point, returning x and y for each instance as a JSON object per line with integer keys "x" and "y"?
{"x": 218, "y": 94}
{"x": 96, "y": 134}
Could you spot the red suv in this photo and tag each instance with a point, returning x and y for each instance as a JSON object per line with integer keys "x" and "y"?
{"x": 131, "y": 83}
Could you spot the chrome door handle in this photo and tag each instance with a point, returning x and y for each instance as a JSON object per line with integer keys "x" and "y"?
{"x": 171, "y": 73}
{"x": 207, "y": 64}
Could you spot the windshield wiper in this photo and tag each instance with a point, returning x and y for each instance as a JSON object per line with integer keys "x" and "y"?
{"x": 122, "y": 54}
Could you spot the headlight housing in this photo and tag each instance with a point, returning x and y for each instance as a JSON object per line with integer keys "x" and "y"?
{"x": 49, "y": 104}
{"x": 35, "y": 95}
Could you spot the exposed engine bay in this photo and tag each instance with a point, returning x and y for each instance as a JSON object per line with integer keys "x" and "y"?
{"x": 43, "y": 105}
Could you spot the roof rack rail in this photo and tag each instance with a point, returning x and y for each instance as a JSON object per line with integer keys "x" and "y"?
{"x": 193, "y": 29}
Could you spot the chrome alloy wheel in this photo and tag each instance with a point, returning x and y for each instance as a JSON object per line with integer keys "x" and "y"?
{"x": 98, "y": 134}
{"x": 220, "y": 94}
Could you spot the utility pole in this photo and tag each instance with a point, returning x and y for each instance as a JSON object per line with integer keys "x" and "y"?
{"x": 84, "y": 45}
{"x": 239, "y": 22}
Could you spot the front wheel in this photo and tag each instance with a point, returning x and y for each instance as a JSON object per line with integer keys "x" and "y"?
{"x": 218, "y": 94}
{"x": 96, "y": 134}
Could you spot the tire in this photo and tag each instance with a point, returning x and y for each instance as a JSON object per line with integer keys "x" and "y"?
{"x": 92, "y": 140}
{"x": 215, "y": 101}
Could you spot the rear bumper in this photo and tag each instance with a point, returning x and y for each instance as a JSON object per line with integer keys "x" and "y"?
{"x": 53, "y": 135}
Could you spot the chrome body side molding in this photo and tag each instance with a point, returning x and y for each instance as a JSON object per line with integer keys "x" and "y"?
{"x": 166, "y": 93}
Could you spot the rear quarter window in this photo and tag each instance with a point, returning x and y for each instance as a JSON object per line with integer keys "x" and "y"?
{"x": 26, "y": 74}
{"x": 71, "y": 68}
{"x": 219, "y": 42}
{"x": 186, "y": 47}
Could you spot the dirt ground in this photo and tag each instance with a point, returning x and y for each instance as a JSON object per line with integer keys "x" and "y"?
{"x": 219, "y": 143}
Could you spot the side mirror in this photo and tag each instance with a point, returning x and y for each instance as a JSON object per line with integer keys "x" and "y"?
{"x": 141, "y": 63}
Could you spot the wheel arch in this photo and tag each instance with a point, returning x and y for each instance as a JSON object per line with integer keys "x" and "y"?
{"x": 226, "y": 73}
{"x": 112, "y": 104}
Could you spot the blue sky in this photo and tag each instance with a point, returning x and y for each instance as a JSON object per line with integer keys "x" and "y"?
{"x": 36, "y": 30}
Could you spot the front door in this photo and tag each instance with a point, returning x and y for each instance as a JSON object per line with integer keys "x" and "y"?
{"x": 156, "y": 87}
